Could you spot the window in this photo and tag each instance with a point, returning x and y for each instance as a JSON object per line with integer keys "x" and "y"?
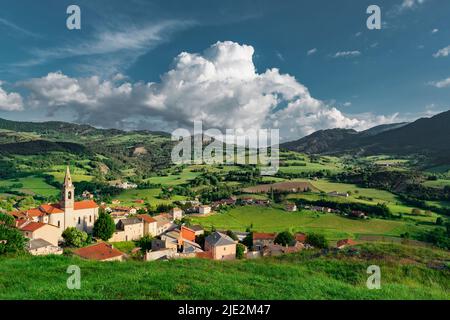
{"x": 59, "y": 224}
{"x": 79, "y": 220}
{"x": 90, "y": 218}
{"x": 69, "y": 195}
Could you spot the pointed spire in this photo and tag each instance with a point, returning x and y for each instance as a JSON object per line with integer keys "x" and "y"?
{"x": 67, "y": 178}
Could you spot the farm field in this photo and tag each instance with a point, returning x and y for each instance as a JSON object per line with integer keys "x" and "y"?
{"x": 32, "y": 186}
{"x": 285, "y": 277}
{"x": 334, "y": 227}
{"x": 440, "y": 183}
{"x": 174, "y": 179}
{"x": 127, "y": 197}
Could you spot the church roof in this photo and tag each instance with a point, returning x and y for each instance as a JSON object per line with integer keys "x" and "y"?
{"x": 85, "y": 204}
{"x": 50, "y": 208}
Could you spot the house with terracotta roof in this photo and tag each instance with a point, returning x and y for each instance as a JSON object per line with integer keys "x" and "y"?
{"x": 260, "y": 240}
{"x": 341, "y": 244}
{"x": 38, "y": 230}
{"x": 150, "y": 224}
{"x": 68, "y": 212}
{"x": 101, "y": 252}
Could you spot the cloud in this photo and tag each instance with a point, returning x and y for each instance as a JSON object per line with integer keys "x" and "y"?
{"x": 444, "y": 52}
{"x": 10, "y": 101}
{"x": 220, "y": 87}
{"x": 17, "y": 29}
{"x": 358, "y": 34}
{"x": 410, "y": 4}
{"x": 434, "y": 31}
{"x": 347, "y": 54}
{"x": 347, "y": 104}
{"x": 109, "y": 51}
{"x": 441, "y": 84}
{"x": 311, "y": 52}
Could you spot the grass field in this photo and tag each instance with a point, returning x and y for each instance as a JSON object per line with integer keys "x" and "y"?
{"x": 174, "y": 179}
{"x": 334, "y": 227}
{"x": 405, "y": 275}
{"x": 32, "y": 186}
{"x": 440, "y": 183}
{"x": 127, "y": 197}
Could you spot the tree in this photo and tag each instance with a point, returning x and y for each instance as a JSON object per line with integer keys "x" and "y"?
{"x": 439, "y": 221}
{"x": 284, "y": 238}
{"x": 240, "y": 249}
{"x": 74, "y": 237}
{"x": 248, "y": 240}
{"x": 11, "y": 239}
{"x": 104, "y": 227}
{"x": 232, "y": 235}
{"x": 317, "y": 240}
{"x": 145, "y": 243}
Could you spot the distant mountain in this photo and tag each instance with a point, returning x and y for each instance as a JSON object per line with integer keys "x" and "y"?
{"x": 429, "y": 136}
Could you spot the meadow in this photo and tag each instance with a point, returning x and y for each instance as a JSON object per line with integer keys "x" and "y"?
{"x": 334, "y": 227}
{"x": 407, "y": 273}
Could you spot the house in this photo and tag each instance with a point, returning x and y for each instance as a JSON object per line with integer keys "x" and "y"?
{"x": 344, "y": 243}
{"x": 276, "y": 250}
{"x": 204, "y": 209}
{"x": 198, "y": 230}
{"x": 164, "y": 223}
{"x": 128, "y": 229}
{"x": 39, "y": 247}
{"x": 160, "y": 254}
{"x": 188, "y": 233}
{"x": 139, "y": 201}
{"x": 87, "y": 195}
{"x": 221, "y": 246}
{"x": 177, "y": 213}
{"x": 126, "y": 185}
{"x": 68, "y": 212}
{"x": 291, "y": 207}
{"x": 300, "y": 237}
{"x": 150, "y": 225}
{"x": 38, "y": 230}
{"x": 260, "y": 240}
{"x": 125, "y": 210}
{"x": 101, "y": 252}
{"x": 358, "y": 214}
{"x": 338, "y": 194}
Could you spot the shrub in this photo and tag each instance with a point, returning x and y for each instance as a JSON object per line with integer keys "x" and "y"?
{"x": 74, "y": 237}
{"x": 317, "y": 240}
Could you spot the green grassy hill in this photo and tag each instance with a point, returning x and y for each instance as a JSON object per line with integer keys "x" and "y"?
{"x": 406, "y": 273}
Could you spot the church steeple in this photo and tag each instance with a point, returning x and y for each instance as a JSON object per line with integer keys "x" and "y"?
{"x": 67, "y": 178}
{"x": 68, "y": 192}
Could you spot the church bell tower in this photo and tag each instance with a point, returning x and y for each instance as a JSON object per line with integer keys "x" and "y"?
{"x": 68, "y": 192}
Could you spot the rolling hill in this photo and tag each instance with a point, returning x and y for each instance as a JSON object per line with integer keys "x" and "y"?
{"x": 428, "y": 136}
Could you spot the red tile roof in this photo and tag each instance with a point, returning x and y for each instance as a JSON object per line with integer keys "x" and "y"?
{"x": 51, "y": 208}
{"x": 264, "y": 236}
{"x": 85, "y": 204}
{"x": 345, "y": 242}
{"x": 146, "y": 218}
{"x": 35, "y": 212}
{"x": 100, "y": 251}
{"x": 32, "y": 226}
{"x": 300, "y": 237}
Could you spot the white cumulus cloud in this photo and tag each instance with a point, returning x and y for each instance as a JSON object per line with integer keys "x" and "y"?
{"x": 444, "y": 52}
{"x": 221, "y": 87}
{"x": 10, "y": 101}
{"x": 441, "y": 84}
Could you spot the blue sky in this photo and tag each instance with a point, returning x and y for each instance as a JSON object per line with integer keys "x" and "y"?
{"x": 353, "y": 77}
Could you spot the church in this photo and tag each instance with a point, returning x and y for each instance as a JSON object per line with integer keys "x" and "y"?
{"x": 68, "y": 212}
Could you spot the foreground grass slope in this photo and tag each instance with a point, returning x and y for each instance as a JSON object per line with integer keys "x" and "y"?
{"x": 406, "y": 273}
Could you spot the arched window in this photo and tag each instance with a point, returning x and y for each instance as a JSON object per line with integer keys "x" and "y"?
{"x": 90, "y": 218}
{"x": 79, "y": 220}
{"x": 59, "y": 224}
{"x": 69, "y": 195}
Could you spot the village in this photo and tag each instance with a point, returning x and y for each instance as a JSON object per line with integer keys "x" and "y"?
{"x": 170, "y": 234}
